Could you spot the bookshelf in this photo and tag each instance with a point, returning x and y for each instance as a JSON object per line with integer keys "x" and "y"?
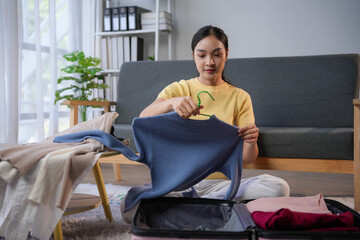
{"x": 139, "y": 33}
{"x": 109, "y": 53}
{"x": 156, "y": 32}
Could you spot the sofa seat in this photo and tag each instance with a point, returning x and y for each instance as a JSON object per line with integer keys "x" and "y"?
{"x": 306, "y": 142}
{"x": 125, "y": 131}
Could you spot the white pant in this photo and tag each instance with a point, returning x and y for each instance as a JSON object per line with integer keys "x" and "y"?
{"x": 260, "y": 186}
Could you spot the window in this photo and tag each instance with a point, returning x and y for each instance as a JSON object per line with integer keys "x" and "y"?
{"x": 44, "y": 32}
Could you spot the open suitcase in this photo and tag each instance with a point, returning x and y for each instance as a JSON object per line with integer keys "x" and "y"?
{"x": 197, "y": 218}
{"x": 192, "y": 218}
{"x": 336, "y": 208}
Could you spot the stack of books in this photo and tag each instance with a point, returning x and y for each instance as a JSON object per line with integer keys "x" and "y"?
{"x": 148, "y": 21}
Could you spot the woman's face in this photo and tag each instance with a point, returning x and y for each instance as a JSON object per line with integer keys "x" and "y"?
{"x": 210, "y": 57}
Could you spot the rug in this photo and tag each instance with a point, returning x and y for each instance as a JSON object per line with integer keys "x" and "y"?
{"x": 93, "y": 225}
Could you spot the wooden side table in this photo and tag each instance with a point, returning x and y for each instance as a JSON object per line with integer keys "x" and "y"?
{"x": 74, "y": 108}
{"x": 110, "y": 157}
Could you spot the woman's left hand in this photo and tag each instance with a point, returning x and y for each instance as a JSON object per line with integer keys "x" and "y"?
{"x": 249, "y": 133}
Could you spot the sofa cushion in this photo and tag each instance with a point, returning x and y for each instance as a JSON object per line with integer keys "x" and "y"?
{"x": 322, "y": 143}
{"x": 305, "y": 91}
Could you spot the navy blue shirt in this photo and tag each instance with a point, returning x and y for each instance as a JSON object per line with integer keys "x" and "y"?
{"x": 179, "y": 152}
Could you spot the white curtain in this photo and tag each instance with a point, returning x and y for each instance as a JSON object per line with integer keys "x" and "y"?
{"x": 34, "y": 35}
{"x": 86, "y": 16}
{"x": 9, "y": 71}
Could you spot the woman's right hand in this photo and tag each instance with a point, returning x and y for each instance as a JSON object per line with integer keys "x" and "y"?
{"x": 185, "y": 106}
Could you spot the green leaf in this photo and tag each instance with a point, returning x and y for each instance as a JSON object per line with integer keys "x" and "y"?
{"x": 93, "y": 71}
{"x": 87, "y": 78}
{"x": 76, "y": 88}
{"x": 95, "y": 61}
{"x": 79, "y": 55}
{"x": 103, "y": 86}
{"x": 101, "y": 77}
{"x": 85, "y": 62}
{"x": 62, "y": 90}
{"x": 70, "y": 69}
{"x": 67, "y": 97}
{"x": 68, "y": 78}
{"x": 70, "y": 57}
{"x": 83, "y": 98}
{"x": 91, "y": 85}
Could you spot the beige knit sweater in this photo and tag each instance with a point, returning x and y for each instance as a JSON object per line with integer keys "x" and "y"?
{"x": 23, "y": 156}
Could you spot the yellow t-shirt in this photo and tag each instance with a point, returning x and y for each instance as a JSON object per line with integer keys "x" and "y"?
{"x": 232, "y": 105}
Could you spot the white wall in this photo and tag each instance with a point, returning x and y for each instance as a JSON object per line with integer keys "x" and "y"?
{"x": 262, "y": 28}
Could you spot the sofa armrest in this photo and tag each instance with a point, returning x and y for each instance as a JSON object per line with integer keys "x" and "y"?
{"x": 356, "y": 103}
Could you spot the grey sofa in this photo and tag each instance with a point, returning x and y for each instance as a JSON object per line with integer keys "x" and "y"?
{"x": 303, "y": 105}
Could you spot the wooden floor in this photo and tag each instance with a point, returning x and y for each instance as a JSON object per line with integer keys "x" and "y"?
{"x": 301, "y": 183}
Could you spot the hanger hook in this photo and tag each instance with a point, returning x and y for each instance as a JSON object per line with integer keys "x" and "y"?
{"x": 200, "y": 99}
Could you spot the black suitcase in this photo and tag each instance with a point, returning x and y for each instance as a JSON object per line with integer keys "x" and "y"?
{"x": 192, "y": 218}
{"x": 336, "y": 208}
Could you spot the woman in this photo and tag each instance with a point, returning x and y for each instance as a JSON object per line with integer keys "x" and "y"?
{"x": 232, "y": 105}
{"x": 210, "y": 52}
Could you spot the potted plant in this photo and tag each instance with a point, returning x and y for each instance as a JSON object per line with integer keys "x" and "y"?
{"x": 83, "y": 72}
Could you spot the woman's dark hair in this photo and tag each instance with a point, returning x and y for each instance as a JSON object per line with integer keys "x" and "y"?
{"x": 211, "y": 31}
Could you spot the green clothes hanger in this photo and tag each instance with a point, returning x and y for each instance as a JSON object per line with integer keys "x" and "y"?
{"x": 200, "y": 101}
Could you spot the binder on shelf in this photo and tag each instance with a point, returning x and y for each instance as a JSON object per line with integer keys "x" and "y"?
{"x": 114, "y": 53}
{"x": 101, "y": 92}
{"x": 109, "y": 53}
{"x": 95, "y": 92}
{"x": 137, "y": 49}
{"x": 134, "y": 15}
{"x": 103, "y": 50}
{"x": 123, "y": 18}
{"x": 120, "y": 46}
{"x": 114, "y": 88}
{"x": 107, "y": 20}
{"x": 115, "y": 15}
{"x": 108, "y": 91}
{"x": 127, "y": 52}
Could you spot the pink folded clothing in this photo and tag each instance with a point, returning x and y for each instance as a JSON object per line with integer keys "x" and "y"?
{"x": 311, "y": 204}
{"x": 285, "y": 219}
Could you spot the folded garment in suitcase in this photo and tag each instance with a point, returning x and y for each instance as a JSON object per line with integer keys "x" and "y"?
{"x": 198, "y": 218}
{"x": 344, "y": 223}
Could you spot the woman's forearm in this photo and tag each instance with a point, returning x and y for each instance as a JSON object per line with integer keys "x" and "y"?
{"x": 159, "y": 106}
{"x": 250, "y": 152}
